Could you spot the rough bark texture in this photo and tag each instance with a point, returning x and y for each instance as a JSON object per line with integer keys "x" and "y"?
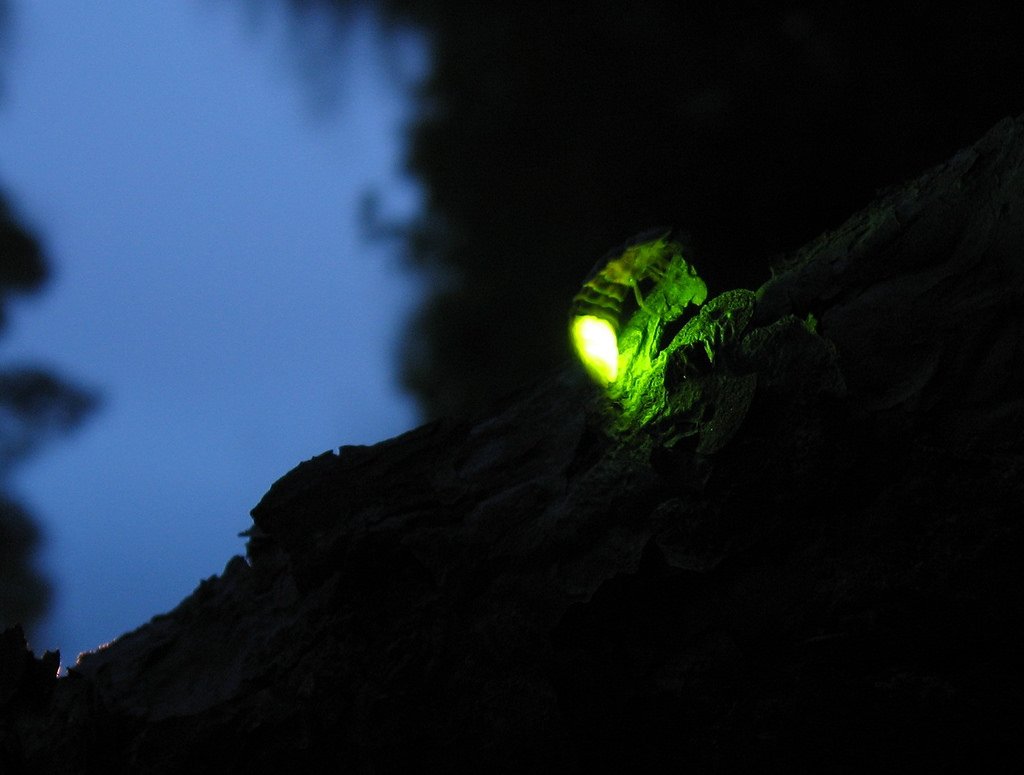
{"x": 822, "y": 574}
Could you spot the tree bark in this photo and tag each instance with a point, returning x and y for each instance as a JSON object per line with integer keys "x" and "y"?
{"x": 810, "y": 564}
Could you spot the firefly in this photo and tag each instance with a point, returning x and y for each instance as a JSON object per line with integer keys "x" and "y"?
{"x": 597, "y": 309}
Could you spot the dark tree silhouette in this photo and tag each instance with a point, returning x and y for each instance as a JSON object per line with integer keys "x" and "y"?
{"x": 34, "y": 404}
{"x": 23, "y": 592}
{"x": 549, "y": 133}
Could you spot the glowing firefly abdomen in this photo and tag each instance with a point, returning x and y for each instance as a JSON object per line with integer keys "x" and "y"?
{"x": 597, "y": 309}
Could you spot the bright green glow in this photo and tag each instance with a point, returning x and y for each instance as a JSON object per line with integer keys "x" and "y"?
{"x": 597, "y": 346}
{"x": 628, "y": 357}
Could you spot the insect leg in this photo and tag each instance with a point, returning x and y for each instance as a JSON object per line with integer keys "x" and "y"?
{"x": 636, "y": 292}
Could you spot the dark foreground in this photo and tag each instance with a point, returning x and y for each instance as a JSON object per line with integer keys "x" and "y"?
{"x": 813, "y": 565}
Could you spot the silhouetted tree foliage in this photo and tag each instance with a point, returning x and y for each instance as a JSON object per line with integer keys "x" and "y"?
{"x": 34, "y": 405}
{"x": 551, "y": 132}
{"x": 23, "y": 268}
{"x": 23, "y": 592}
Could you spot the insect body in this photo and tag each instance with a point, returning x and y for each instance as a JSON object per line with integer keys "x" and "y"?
{"x": 597, "y": 309}
{"x": 644, "y": 258}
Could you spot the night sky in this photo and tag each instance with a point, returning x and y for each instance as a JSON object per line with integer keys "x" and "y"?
{"x": 199, "y": 211}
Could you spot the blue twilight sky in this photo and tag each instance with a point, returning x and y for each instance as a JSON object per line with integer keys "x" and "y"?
{"x": 209, "y": 279}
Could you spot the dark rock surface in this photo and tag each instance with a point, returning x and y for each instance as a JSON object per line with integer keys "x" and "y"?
{"x": 830, "y": 583}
